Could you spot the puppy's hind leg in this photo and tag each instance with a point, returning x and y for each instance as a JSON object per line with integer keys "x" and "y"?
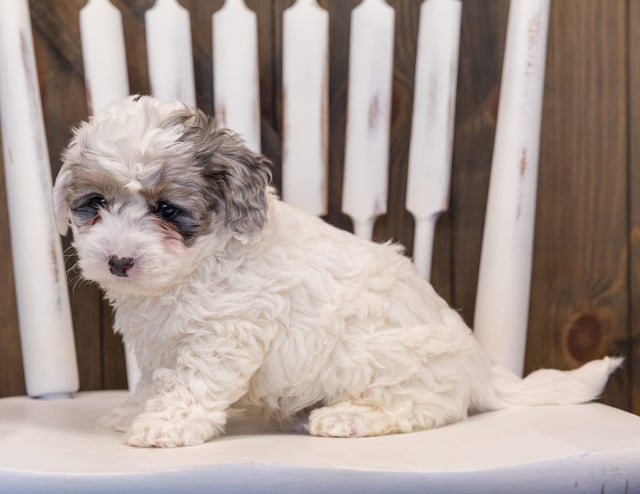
{"x": 362, "y": 418}
{"x": 359, "y": 419}
{"x": 421, "y": 381}
{"x": 347, "y": 419}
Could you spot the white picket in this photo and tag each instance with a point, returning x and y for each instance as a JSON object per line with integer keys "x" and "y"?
{"x": 44, "y": 313}
{"x": 103, "y": 54}
{"x": 432, "y": 127}
{"x": 305, "y": 102}
{"x": 368, "y": 114}
{"x": 169, "y": 53}
{"x": 106, "y": 81}
{"x": 235, "y": 71}
{"x": 502, "y": 304}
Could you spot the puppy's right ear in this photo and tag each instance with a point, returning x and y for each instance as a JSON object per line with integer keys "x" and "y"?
{"x": 61, "y": 211}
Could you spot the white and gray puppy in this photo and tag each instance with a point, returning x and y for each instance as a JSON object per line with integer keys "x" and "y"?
{"x": 230, "y": 296}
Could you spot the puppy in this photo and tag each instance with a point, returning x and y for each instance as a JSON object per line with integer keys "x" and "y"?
{"x": 230, "y": 296}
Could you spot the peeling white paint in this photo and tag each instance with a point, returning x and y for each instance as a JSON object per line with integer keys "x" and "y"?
{"x": 305, "y": 106}
{"x": 235, "y": 70}
{"x": 46, "y": 332}
{"x": 169, "y": 52}
{"x": 502, "y": 303}
{"x": 368, "y": 114}
{"x": 431, "y": 147}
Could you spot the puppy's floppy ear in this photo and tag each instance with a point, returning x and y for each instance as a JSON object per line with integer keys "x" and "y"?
{"x": 60, "y": 204}
{"x": 238, "y": 178}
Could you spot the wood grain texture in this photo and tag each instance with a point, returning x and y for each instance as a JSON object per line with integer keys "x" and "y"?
{"x": 11, "y": 372}
{"x": 482, "y": 39}
{"x": 277, "y": 117}
{"x": 57, "y": 23}
{"x": 339, "y": 31}
{"x": 579, "y": 304}
{"x": 200, "y": 14}
{"x": 134, "y": 38}
{"x": 112, "y": 362}
{"x": 265, "y": 13}
{"x": 397, "y": 224}
{"x": 587, "y": 251}
{"x": 269, "y": 60}
{"x": 633, "y": 362}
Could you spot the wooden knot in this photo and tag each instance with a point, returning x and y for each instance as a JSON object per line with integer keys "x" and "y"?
{"x": 584, "y": 337}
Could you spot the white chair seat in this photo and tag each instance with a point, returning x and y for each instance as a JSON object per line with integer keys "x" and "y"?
{"x": 55, "y": 446}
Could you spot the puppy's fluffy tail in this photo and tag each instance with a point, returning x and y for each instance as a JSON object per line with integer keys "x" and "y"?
{"x": 548, "y": 386}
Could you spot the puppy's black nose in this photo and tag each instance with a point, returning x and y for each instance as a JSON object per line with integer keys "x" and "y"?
{"x": 120, "y": 265}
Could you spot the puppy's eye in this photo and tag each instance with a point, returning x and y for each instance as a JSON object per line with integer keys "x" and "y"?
{"x": 88, "y": 209}
{"x": 181, "y": 221}
{"x": 166, "y": 211}
{"x": 96, "y": 201}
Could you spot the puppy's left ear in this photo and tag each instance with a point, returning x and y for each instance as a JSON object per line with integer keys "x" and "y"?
{"x": 60, "y": 204}
{"x": 237, "y": 177}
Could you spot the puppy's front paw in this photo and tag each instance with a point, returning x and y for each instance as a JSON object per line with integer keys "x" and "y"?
{"x": 165, "y": 430}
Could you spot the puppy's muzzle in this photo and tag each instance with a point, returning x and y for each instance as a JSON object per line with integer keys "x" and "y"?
{"x": 120, "y": 265}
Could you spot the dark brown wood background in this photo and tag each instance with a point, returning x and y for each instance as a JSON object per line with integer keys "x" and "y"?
{"x": 586, "y": 269}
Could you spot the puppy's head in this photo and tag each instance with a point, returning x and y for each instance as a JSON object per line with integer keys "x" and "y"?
{"x": 149, "y": 188}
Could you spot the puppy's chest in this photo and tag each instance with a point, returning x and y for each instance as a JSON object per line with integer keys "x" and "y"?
{"x": 156, "y": 326}
{"x": 152, "y": 330}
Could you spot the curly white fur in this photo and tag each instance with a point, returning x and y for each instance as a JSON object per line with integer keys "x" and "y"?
{"x": 286, "y": 315}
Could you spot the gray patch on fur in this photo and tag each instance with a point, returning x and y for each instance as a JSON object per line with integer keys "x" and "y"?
{"x": 237, "y": 178}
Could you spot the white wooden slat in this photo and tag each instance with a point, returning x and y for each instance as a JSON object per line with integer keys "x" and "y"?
{"x": 103, "y": 54}
{"x": 369, "y": 113}
{"x": 46, "y": 331}
{"x": 305, "y": 87}
{"x": 502, "y": 304}
{"x": 235, "y": 71}
{"x": 433, "y": 122}
{"x": 169, "y": 52}
{"x": 106, "y": 81}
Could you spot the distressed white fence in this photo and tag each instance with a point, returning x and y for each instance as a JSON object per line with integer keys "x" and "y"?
{"x": 169, "y": 52}
{"x": 502, "y": 301}
{"x": 366, "y": 158}
{"x": 46, "y": 334}
{"x": 434, "y": 105}
{"x": 235, "y": 70}
{"x": 506, "y": 257}
{"x": 305, "y": 75}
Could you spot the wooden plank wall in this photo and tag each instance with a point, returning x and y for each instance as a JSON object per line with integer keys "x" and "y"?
{"x": 586, "y": 272}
